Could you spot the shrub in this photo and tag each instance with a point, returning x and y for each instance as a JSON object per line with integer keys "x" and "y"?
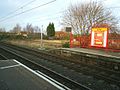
{"x": 66, "y": 45}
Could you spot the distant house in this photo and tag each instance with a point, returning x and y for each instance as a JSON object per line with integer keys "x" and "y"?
{"x": 23, "y": 33}
{"x": 61, "y": 34}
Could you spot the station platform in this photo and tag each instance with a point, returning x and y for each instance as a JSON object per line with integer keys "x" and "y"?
{"x": 94, "y": 52}
{"x": 16, "y": 76}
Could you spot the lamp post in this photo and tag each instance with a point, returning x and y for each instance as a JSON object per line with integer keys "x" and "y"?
{"x": 41, "y": 30}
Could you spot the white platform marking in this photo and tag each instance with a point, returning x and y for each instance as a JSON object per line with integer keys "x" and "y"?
{"x": 54, "y": 81}
{"x": 43, "y": 77}
{"x": 6, "y": 67}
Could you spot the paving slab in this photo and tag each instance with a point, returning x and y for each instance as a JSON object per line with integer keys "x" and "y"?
{"x": 14, "y": 76}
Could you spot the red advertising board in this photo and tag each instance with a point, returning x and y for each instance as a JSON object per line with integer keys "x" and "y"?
{"x": 99, "y": 37}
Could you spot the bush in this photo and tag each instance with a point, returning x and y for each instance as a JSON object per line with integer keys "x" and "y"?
{"x": 66, "y": 45}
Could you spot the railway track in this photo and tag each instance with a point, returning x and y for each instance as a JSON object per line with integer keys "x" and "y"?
{"x": 35, "y": 66}
{"x": 2, "y": 57}
{"x": 101, "y": 74}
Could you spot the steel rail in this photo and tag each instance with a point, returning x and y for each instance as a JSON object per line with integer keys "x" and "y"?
{"x": 97, "y": 75}
{"x": 72, "y": 84}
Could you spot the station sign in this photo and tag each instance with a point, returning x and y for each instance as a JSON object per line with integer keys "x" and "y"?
{"x": 99, "y": 37}
{"x": 68, "y": 29}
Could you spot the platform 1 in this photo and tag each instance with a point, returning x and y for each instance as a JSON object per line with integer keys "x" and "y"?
{"x": 16, "y": 76}
{"x": 94, "y": 52}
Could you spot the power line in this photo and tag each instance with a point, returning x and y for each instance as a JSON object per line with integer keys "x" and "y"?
{"x": 28, "y": 10}
{"x": 12, "y": 12}
{"x": 46, "y": 19}
{"x": 59, "y": 12}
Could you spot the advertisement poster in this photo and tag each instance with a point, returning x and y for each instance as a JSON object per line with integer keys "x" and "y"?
{"x": 99, "y": 37}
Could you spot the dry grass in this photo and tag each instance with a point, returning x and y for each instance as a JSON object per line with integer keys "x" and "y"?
{"x": 37, "y": 43}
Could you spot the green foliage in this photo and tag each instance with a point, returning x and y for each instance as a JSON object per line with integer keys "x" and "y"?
{"x": 45, "y": 37}
{"x": 66, "y": 45}
{"x": 51, "y": 30}
{"x": 66, "y": 38}
{"x": 9, "y": 36}
{"x": 3, "y": 37}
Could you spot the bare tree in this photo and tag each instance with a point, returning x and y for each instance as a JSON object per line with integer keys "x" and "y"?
{"x": 29, "y": 28}
{"x": 2, "y": 30}
{"x": 83, "y": 16}
{"x": 36, "y": 29}
{"x": 16, "y": 29}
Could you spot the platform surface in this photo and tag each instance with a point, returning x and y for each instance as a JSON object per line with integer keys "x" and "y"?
{"x": 95, "y": 52}
{"x": 14, "y": 76}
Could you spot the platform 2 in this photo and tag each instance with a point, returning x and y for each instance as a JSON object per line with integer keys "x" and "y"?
{"x": 94, "y": 52}
{"x": 16, "y": 76}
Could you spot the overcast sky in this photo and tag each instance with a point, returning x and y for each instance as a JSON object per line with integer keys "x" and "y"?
{"x": 43, "y": 15}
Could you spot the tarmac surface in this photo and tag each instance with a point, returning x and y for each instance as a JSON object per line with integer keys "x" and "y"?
{"x": 15, "y": 76}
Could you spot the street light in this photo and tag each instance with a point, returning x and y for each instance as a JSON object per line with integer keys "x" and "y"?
{"x": 41, "y": 37}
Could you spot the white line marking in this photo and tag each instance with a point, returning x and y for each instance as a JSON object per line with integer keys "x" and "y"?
{"x": 51, "y": 82}
{"x": 6, "y": 67}
{"x": 5, "y": 60}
